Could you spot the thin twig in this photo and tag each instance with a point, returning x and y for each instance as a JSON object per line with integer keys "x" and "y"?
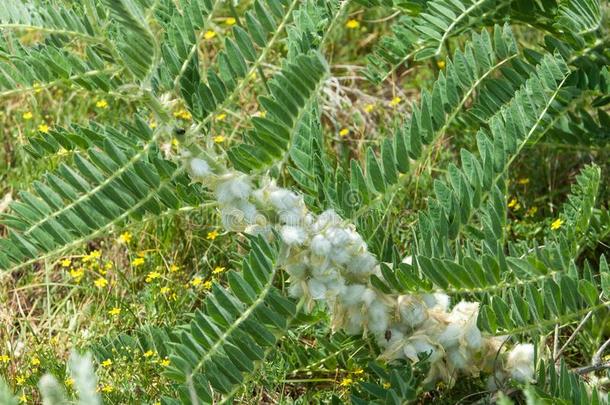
{"x": 572, "y": 336}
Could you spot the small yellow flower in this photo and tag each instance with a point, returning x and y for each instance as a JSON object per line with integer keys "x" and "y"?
{"x": 207, "y": 285}
{"x": 23, "y": 398}
{"x": 149, "y": 353}
{"x": 395, "y": 101}
{"x": 221, "y": 117}
{"x": 141, "y": 253}
{"x": 37, "y": 88}
{"x": 77, "y": 274}
{"x": 27, "y": 116}
{"x": 4, "y": 359}
{"x": 513, "y": 203}
{"x": 441, "y": 64}
{"x": 532, "y": 211}
{"x": 165, "y": 362}
{"x": 218, "y": 270}
{"x": 262, "y": 114}
{"x": 66, "y": 263}
{"x": 96, "y": 254}
{"x": 138, "y": 261}
{"x": 69, "y": 381}
{"x": 369, "y": 108}
{"x": 230, "y": 21}
{"x": 20, "y": 380}
{"x": 196, "y": 281}
{"x": 101, "y": 282}
{"x": 35, "y": 361}
{"x": 212, "y": 235}
{"x": 44, "y": 128}
{"x": 102, "y": 104}
{"x": 352, "y": 24}
{"x": 219, "y": 139}
{"x": 358, "y": 371}
{"x": 115, "y": 311}
{"x": 125, "y": 237}
{"x": 344, "y": 132}
{"x": 153, "y": 125}
{"x": 183, "y": 114}
{"x": 107, "y": 363}
{"x": 346, "y": 382}
{"x": 174, "y": 268}
{"x": 107, "y": 389}
{"x": 108, "y": 266}
{"x": 175, "y": 143}
{"x": 523, "y": 181}
{"x": 209, "y": 34}
{"x": 557, "y": 224}
{"x": 165, "y": 290}
{"x": 386, "y": 385}
{"x": 153, "y": 275}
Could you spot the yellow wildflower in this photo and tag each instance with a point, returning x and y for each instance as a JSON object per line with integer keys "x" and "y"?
{"x": 37, "y": 88}
{"x": 174, "y": 268}
{"x": 441, "y": 64}
{"x": 358, "y": 371}
{"x": 153, "y": 125}
{"x": 69, "y": 381}
{"x": 115, "y": 311}
{"x": 4, "y": 359}
{"x": 207, "y": 285}
{"x": 346, "y": 382}
{"x": 221, "y": 117}
{"x": 27, "y": 116}
{"x": 66, "y": 263}
{"x": 165, "y": 290}
{"x": 183, "y": 114}
{"x": 344, "y": 132}
{"x": 395, "y": 101}
{"x": 125, "y": 237}
{"x": 512, "y": 203}
{"x": 218, "y": 270}
{"x": 102, "y": 104}
{"x": 165, "y": 362}
{"x": 35, "y": 361}
{"x": 23, "y": 398}
{"x": 175, "y": 142}
{"x": 386, "y": 385}
{"x": 107, "y": 389}
{"x": 101, "y": 282}
{"x": 557, "y": 224}
{"x": 369, "y": 108}
{"x": 262, "y": 114}
{"x": 138, "y": 261}
{"x": 523, "y": 181}
{"x": 532, "y": 211}
{"x": 219, "y": 139}
{"x": 44, "y": 128}
{"x": 230, "y": 21}
{"x": 20, "y": 380}
{"x": 209, "y": 34}
{"x": 153, "y": 275}
{"x": 196, "y": 281}
{"x": 212, "y": 235}
{"x": 77, "y": 274}
{"x": 108, "y": 265}
{"x": 352, "y": 24}
{"x": 149, "y": 353}
{"x": 107, "y": 363}
{"x": 96, "y": 254}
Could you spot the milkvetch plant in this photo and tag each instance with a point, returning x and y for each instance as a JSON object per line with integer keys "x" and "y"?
{"x": 231, "y": 108}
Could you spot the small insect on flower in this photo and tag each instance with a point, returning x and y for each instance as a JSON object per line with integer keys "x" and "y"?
{"x": 219, "y": 139}
{"x": 395, "y": 101}
{"x": 209, "y": 34}
{"x": 230, "y": 21}
{"x": 212, "y": 235}
{"x": 101, "y": 282}
{"x": 344, "y": 132}
{"x": 114, "y": 311}
{"x": 103, "y": 104}
{"x": 138, "y": 261}
{"x": 557, "y": 224}
{"x": 44, "y": 128}
{"x": 218, "y": 270}
{"x": 352, "y": 24}
{"x": 107, "y": 363}
{"x": 125, "y": 237}
{"x": 27, "y": 116}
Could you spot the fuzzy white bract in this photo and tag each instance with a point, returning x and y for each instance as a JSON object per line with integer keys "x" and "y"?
{"x": 328, "y": 262}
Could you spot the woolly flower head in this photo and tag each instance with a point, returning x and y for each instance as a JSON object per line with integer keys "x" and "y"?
{"x": 233, "y": 187}
{"x": 199, "y": 168}
{"x": 520, "y": 362}
{"x": 293, "y": 235}
{"x": 461, "y": 329}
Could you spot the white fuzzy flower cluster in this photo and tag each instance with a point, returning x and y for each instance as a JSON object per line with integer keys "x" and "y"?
{"x": 329, "y": 262}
